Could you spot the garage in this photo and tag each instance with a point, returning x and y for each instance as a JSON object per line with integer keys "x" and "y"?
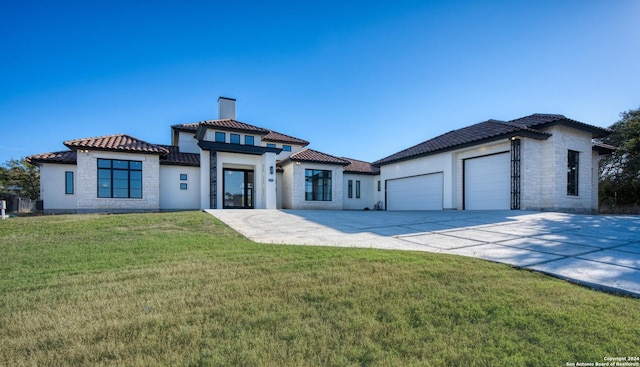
{"x": 423, "y": 192}
{"x": 487, "y": 182}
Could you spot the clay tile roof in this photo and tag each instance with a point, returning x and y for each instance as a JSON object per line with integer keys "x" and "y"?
{"x": 119, "y": 142}
{"x": 603, "y": 148}
{"x": 64, "y": 157}
{"x": 282, "y": 138}
{"x": 356, "y": 166}
{"x": 177, "y": 158}
{"x": 540, "y": 120}
{"x": 488, "y": 130}
{"x": 234, "y": 125}
{"x": 186, "y": 127}
{"x": 310, "y": 155}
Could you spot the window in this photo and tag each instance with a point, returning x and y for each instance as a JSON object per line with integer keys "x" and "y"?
{"x": 378, "y": 185}
{"x": 183, "y": 177}
{"x": 235, "y": 138}
{"x": 286, "y": 148}
{"x": 68, "y": 182}
{"x": 220, "y": 137}
{"x": 317, "y": 185}
{"x": 350, "y": 189}
{"x": 249, "y": 140}
{"x": 183, "y": 186}
{"x": 357, "y": 189}
{"x": 572, "y": 173}
{"x": 119, "y": 179}
{"x": 271, "y": 145}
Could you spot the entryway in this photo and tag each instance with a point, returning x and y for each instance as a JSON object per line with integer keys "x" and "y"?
{"x": 237, "y": 188}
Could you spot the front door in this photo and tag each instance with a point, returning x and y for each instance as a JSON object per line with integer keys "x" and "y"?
{"x": 238, "y": 189}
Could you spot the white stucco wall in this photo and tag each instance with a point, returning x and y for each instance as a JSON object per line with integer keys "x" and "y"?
{"x": 264, "y": 190}
{"x": 87, "y": 183}
{"x": 52, "y": 188}
{"x": 421, "y": 166}
{"x": 367, "y": 191}
{"x": 171, "y": 196}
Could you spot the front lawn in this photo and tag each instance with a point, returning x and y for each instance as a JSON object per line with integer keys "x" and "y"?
{"x": 182, "y": 289}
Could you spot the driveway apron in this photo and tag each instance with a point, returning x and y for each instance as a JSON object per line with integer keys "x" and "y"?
{"x": 602, "y": 252}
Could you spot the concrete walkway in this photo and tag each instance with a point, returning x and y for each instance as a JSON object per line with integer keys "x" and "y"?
{"x": 602, "y": 252}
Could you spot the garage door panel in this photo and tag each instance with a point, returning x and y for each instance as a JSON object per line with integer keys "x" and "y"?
{"x": 415, "y": 193}
{"x": 487, "y": 182}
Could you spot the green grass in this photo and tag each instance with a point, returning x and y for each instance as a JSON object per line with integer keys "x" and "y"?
{"x": 183, "y": 289}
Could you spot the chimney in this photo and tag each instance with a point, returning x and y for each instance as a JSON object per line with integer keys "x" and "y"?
{"x": 226, "y": 108}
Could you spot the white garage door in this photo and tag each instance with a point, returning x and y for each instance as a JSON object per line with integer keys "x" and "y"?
{"x": 487, "y": 182}
{"x": 415, "y": 193}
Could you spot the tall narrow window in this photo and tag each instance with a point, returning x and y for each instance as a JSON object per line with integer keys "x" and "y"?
{"x": 572, "y": 172}
{"x": 119, "y": 179}
{"x": 379, "y": 186}
{"x": 357, "y": 189}
{"x": 68, "y": 182}
{"x": 220, "y": 137}
{"x": 317, "y": 185}
{"x": 350, "y": 189}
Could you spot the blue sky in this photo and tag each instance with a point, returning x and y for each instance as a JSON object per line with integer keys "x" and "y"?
{"x": 361, "y": 79}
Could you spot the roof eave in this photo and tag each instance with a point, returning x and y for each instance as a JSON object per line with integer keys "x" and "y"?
{"x": 522, "y": 133}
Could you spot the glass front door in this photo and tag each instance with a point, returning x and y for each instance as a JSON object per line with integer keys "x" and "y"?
{"x": 238, "y": 189}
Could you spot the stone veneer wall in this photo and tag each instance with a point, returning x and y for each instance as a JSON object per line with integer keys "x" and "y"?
{"x": 87, "y": 184}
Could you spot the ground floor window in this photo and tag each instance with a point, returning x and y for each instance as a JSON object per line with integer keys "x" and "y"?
{"x": 350, "y": 189}
{"x": 119, "y": 179}
{"x": 572, "y": 173}
{"x": 357, "y": 189}
{"x": 317, "y": 185}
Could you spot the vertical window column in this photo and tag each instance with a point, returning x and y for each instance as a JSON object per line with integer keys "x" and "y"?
{"x": 572, "y": 172}
{"x": 68, "y": 183}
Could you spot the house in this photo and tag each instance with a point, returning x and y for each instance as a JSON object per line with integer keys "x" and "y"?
{"x": 539, "y": 162}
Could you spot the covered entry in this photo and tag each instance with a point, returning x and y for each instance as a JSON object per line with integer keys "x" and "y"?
{"x": 237, "y": 188}
{"x": 423, "y": 192}
{"x": 487, "y": 182}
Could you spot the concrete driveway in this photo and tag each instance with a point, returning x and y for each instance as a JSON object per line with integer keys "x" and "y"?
{"x": 602, "y": 252}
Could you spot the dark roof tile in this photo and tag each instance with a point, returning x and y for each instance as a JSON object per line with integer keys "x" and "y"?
{"x": 177, "y": 158}
{"x": 491, "y": 129}
{"x": 119, "y": 142}
{"x": 310, "y": 155}
{"x": 356, "y": 166}
{"x": 64, "y": 157}
{"x": 282, "y": 138}
{"x": 541, "y": 120}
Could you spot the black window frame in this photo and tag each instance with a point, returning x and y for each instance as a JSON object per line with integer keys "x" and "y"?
{"x": 220, "y": 137}
{"x": 184, "y": 186}
{"x": 357, "y": 189}
{"x": 112, "y": 174}
{"x": 318, "y": 185}
{"x": 249, "y": 140}
{"x": 184, "y": 177}
{"x": 69, "y": 184}
{"x": 271, "y": 145}
{"x": 573, "y": 172}
{"x": 350, "y": 189}
{"x": 286, "y": 148}
{"x": 234, "y": 138}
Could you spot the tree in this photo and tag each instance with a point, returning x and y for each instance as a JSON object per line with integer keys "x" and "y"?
{"x": 620, "y": 171}
{"x": 20, "y": 177}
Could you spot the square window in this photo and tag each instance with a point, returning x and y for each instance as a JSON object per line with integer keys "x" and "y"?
{"x": 234, "y": 138}
{"x": 249, "y": 140}
{"x": 220, "y": 137}
{"x": 183, "y": 186}
{"x": 183, "y": 177}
